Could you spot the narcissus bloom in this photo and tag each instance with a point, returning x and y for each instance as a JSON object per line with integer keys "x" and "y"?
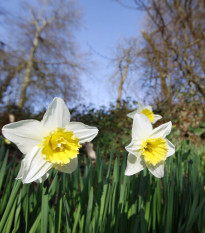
{"x": 53, "y": 142}
{"x": 147, "y": 111}
{"x": 149, "y": 147}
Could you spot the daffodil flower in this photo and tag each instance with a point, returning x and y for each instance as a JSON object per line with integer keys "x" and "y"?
{"x": 149, "y": 147}
{"x": 53, "y": 142}
{"x": 147, "y": 111}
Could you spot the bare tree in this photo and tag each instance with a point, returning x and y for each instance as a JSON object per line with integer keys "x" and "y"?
{"x": 124, "y": 62}
{"x": 47, "y": 58}
{"x": 173, "y": 54}
{"x": 11, "y": 64}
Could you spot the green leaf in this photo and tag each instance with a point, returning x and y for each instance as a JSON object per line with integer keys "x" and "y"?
{"x": 89, "y": 212}
{"x": 15, "y": 190}
{"x": 44, "y": 208}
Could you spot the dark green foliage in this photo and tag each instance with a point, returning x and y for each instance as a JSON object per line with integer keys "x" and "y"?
{"x": 113, "y": 124}
{"x": 115, "y": 127}
{"x": 99, "y": 198}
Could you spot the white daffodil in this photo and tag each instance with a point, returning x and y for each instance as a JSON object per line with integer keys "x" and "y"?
{"x": 147, "y": 111}
{"x": 53, "y": 142}
{"x": 149, "y": 147}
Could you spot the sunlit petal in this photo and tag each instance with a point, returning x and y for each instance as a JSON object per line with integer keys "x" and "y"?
{"x": 158, "y": 170}
{"x": 171, "y": 148}
{"x": 33, "y": 166}
{"x": 134, "y": 165}
{"x": 83, "y": 132}
{"x": 25, "y": 134}
{"x": 68, "y": 168}
{"x": 131, "y": 114}
{"x": 147, "y": 111}
{"x": 134, "y": 146}
{"x": 142, "y": 127}
{"x": 147, "y": 107}
{"x": 43, "y": 178}
{"x": 162, "y": 131}
{"x": 156, "y": 118}
{"x": 57, "y": 115}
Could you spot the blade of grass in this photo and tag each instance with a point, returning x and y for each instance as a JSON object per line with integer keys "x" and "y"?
{"x": 7, "y": 228}
{"x": 17, "y": 214}
{"x": 35, "y": 224}
{"x": 44, "y": 208}
{"x": 67, "y": 212}
{"x": 12, "y": 198}
{"x": 77, "y": 217}
{"x": 3, "y": 169}
{"x": 89, "y": 211}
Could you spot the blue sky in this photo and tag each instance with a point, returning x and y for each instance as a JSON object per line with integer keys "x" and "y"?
{"x": 104, "y": 24}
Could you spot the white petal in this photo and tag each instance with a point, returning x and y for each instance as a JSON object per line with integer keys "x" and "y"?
{"x": 25, "y": 134}
{"x": 131, "y": 114}
{"x": 142, "y": 127}
{"x": 171, "y": 148}
{"x": 162, "y": 131}
{"x": 156, "y": 118}
{"x": 57, "y": 115}
{"x": 134, "y": 147}
{"x": 68, "y": 168}
{"x": 84, "y": 132}
{"x": 43, "y": 178}
{"x": 134, "y": 165}
{"x": 33, "y": 166}
{"x": 157, "y": 170}
{"x": 21, "y": 171}
{"x": 139, "y": 110}
{"x": 140, "y": 107}
{"x": 147, "y": 107}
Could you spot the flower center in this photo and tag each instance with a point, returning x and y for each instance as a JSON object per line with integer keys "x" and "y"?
{"x": 149, "y": 114}
{"x": 154, "y": 150}
{"x": 60, "y": 146}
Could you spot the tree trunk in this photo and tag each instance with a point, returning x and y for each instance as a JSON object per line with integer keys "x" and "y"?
{"x": 27, "y": 76}
{"x": 124, "y": 76}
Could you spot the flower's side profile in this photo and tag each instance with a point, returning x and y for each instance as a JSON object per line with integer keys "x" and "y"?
{"x": 147, "y": 111}
{"x": 149, "y": 147}
{"x": 53, "y": 142}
